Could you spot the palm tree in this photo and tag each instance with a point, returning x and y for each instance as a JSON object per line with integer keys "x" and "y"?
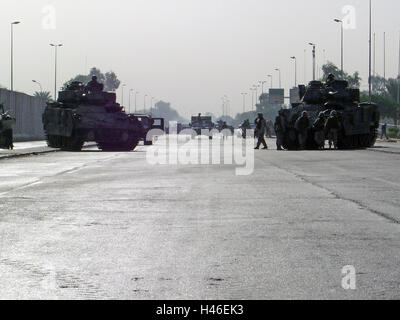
{"x": 44, "y": 95}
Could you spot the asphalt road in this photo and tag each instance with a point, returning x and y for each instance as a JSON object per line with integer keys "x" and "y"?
{"x": 95, "y": 225}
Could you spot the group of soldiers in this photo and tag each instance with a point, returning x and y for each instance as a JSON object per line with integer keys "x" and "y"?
{"x": 322, "y": 128}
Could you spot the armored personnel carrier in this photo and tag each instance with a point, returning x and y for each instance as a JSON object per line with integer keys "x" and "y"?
{"x": 200, "y": 123}
{"x": 359, "y": 122}
{"x": 6, "y": 129}
{"x": 83, "y": 115}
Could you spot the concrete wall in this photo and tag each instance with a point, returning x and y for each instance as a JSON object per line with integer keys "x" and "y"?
{"x": 27, "y": 110}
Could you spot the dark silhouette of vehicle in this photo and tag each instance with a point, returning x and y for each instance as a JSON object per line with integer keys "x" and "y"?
{"x": 80, "y": 115}
{"x": 6, "y": 129}
{"x": 200, "y": 124}
{"x": 149, "y": 124}
{"x": 359, "y": 122}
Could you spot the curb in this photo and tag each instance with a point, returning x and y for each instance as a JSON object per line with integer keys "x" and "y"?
{"x": 35, "y": 153}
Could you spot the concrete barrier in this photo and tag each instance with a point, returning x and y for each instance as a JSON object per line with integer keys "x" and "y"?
{"x": 27, "y": 110}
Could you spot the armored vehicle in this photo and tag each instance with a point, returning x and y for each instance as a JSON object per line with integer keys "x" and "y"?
{"x": 6, "y": 129}
{"x": 359, "y": 122}
{"x": 82, "y": 114}
{"x": 200, "y": 123}
{"x": 149, "y": 123}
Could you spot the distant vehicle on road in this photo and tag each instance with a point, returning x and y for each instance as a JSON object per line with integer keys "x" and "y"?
{"x": 6, "y": 129}
{"x": 149, "y": 123}
{"x": 82, "y": 114}
{"x": 200, "y": 123}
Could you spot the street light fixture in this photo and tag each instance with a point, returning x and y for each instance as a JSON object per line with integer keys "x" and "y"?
{"x": 38, "y": 83}
{"x": 314, "y": 58}
{"x": 55, "y": 46}
{"x": 342, "y": 42}
{"x": 12, "y": 53}
{"x": 295, "y": 70}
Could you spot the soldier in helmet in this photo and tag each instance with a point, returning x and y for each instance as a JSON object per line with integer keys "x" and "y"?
{"x": 94, "y": 85}
{"x": 330, "y": 80}
{"x": 332, "y": 127}
{"x": 244, "y": 127}
{"x": 302, "y": 125}
{"x": 261, "y": 128}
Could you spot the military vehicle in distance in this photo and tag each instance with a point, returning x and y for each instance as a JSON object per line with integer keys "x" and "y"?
{"x": 200, "y": 123}
{"x": 6, "y": 129}
{"x": 149, "y": 123}
{"x": 359, "y": 121}
{"x": 81, "y": 115}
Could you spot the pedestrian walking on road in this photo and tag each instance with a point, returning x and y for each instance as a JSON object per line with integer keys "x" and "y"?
{"x": 261, "y": 127}
{"x": 332, "y": 127}
{"x": 302, "y": 125}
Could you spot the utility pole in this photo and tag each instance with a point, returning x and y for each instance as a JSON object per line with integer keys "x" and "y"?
{"x": 398, "y": 77}
{"x": 56, "y": 46}
{"x": 130, "y": 94}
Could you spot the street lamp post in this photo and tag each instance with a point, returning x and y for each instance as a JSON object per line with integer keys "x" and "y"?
{"x": 122, "y": 97}
{"x": 384, "y": 55}
{"x": 12, "y": 53}
{"x": 280, "y": 79}
{"x": 295, "y": 71}
{"x": 252, "y": 97}
{"x": 244, "y": 101}
{"x": 136, "y": 94}
{"x": 342, "y": 42}
{"x": 262, "y": 85}
{"x": 55, "y": 46}
{"x": 370, "y": 53}
{"x": 38, "y": 83}
{"x": 130, "y": 93}
{"x": 144, "y": 104}
{"x": 314, "y": 58}
{"x": 272, "y": 82}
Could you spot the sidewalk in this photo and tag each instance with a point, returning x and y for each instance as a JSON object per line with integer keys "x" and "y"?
{"x": 26, "y": 148}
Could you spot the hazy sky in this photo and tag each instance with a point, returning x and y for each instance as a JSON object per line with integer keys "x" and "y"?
{"x": 189, "y": 52}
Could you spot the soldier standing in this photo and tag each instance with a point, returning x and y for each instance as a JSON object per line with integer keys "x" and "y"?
{"x": 332, "y": 126}
{"x": 280, "y": 129}
{"x": 319, "y": 126}
{"x": 261, "y": 127}
{"x": 94, "y": 86}
{"x": 302, "y": 126}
